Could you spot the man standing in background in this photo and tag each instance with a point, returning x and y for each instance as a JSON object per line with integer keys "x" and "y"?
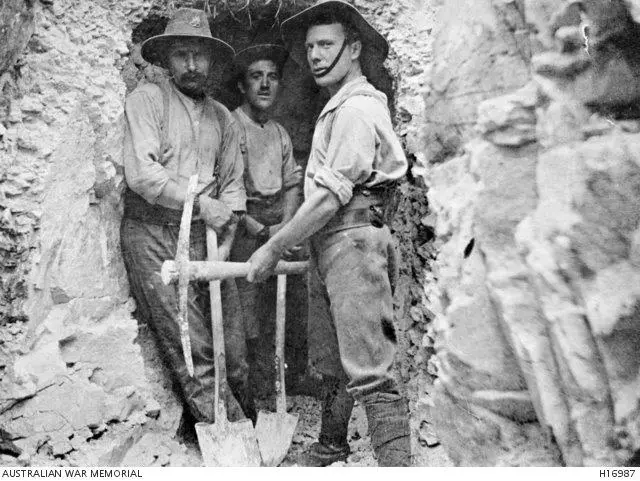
{"x": 271, "y": 176}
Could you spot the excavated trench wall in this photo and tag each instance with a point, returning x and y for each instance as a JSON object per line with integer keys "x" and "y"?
{"x": 80, "y": 381}
{"x": 532, "y": 165}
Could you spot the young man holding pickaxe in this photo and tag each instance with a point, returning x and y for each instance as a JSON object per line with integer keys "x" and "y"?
{"x": 355, "y": 160}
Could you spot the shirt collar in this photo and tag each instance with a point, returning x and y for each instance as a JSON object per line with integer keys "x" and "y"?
{"x": 249, "y": 120}
{"x": 344, "y": 93}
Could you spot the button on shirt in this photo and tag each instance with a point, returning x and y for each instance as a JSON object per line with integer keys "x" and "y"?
{"x": 199, "y": 134}
{"x": 354, "y": 143}
{"x": 270, "y": 165}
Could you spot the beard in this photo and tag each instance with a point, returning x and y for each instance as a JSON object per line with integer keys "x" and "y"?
{"x": 192, "y": 84}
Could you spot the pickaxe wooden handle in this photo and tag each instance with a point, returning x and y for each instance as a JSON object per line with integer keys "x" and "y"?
{"x": 217, "y": 270}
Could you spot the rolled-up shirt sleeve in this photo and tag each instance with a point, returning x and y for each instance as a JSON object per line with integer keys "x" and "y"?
{"x": 232, "y": 191}
{"x": 291, "y": 171}
{"x": 350, "y": 153}
{"x": 142, "y": 170}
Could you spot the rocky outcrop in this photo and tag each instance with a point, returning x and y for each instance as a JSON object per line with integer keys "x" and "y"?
{"x": 481, "y": 49}
{"x": 536, "y": 300}
{"x": 16, "y": 27}
{"x": 73, "y": 382}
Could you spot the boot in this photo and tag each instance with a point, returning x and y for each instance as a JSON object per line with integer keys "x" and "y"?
{"x": 332, "y": 446}
{"x": 186, "y": 431}
{"x": 320, "y": 455}
{"x": 388, "y": 418}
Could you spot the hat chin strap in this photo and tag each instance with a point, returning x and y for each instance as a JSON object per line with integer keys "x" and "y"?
{"x": 334, "y": 63}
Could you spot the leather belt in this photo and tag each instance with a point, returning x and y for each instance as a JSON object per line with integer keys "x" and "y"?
{"x": 346, "y": 220}
{"x": 358, "y": 212}
{"x": 266, "y": 201}
{"x": 136, "y": 208}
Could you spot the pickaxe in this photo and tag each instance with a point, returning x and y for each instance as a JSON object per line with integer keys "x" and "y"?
{"x": 224, "y": 443}
{"x": 183, "y": 271}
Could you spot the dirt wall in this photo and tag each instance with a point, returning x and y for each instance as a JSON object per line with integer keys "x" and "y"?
{"x": 74, "y": 384}
{"x": 536, "y": 309}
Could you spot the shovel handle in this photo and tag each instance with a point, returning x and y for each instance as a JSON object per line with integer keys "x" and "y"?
{"x": 281, "y": 309}
{"x": 217, "y": 333}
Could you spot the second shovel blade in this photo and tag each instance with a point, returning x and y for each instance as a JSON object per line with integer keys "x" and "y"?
{"x": 275, "y": 433}
{"x": 227, "y": 444}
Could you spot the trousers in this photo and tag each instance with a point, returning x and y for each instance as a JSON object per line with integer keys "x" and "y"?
{"x": 259, "y": 300}
{"x": 352, "y": 340}
{"x": 350, "y": 328}
{"x": 145, "y": 247}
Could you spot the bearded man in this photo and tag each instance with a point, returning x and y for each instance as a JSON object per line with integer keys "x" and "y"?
{"x": 175, "y": 130}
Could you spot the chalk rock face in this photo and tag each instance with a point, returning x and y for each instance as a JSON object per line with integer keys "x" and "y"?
{"x": 16, "y": 26}
{"x": 579, "y": 244}
{"x": 539, "y": 220}
{"x": 481, "y": 49}
{"x": 73, "y": 383}
{"x": 480, "y": 198}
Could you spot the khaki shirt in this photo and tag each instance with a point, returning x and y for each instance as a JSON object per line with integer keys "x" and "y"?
{"x": 200, "y": 133}
{"x": 271, "y": 166}
{"x": 354, "y": 143}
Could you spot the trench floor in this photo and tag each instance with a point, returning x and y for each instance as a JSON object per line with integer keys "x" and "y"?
{"x": 308, "y": 410}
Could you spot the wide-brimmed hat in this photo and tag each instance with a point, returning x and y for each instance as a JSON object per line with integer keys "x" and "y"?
{"x": 186, "y": 23}
{"x": 294, "y": 30}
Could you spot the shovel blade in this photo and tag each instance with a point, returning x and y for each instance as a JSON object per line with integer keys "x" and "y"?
{"x": 275, "y": 433}
{"x": 228, "y": 444}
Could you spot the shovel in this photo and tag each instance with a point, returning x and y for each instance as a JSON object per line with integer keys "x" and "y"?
{"x": 275, "y": 430}
{"x": 223, "y": 443}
